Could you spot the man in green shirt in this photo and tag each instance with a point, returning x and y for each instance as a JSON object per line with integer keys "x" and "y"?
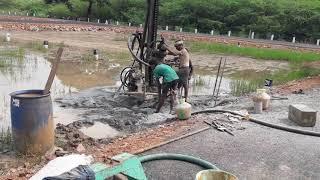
{"x": 169, "y": 82}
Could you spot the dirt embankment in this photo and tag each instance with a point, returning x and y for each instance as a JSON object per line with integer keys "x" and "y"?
{"x": 13, "y": 23}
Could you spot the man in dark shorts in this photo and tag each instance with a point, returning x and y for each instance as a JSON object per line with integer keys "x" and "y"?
{"x": 169, "y": 82}
{"x": 185, "y": 65}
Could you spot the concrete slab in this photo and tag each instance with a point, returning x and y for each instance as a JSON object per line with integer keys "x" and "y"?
{"x": 255, "y": 153}
{"x": 302, "y": 115}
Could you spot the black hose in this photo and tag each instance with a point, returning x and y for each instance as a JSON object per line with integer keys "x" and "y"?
{"x": 178, "y": 157}
{"x": 134, "y": 56}
{"x": 121, "y": 75}
{"x": 276, "y": 126}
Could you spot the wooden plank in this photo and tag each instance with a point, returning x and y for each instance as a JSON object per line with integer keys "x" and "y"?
{"x": 53, "y": 71}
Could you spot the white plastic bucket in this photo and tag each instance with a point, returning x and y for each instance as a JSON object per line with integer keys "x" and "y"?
{"x": 212, "y": 174}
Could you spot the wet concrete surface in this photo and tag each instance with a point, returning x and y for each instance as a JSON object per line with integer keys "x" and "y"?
{"x": 255, "y": 153}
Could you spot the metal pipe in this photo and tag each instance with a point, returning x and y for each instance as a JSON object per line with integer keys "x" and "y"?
{"x": 215, "y": 84}
{"x": 224, "y": 65}
{"x": 172, "y": 140}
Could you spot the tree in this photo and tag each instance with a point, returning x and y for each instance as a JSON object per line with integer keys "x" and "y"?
{"x": 6, "y": 3}
{"x": 92, "y": 2}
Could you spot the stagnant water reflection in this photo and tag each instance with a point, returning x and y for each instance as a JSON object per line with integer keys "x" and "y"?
{"x": 31, "y": 70}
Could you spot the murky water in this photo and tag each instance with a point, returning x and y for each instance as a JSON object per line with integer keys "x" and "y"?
{"x": 204, "y": 85}
{"x": 31, "y": 71}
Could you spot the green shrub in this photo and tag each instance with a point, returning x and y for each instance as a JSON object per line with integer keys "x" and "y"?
{"x": 59, "y": 11}
{"x": 79, "y": 7}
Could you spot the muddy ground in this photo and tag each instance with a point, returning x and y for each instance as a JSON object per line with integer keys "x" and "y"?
{"x": 132, "y": 122}
{"x": 116, "y": 43}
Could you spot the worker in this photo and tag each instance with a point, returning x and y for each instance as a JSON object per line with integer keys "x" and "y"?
{"x": 185, "y": 65}
{"x": 169, "y": 82}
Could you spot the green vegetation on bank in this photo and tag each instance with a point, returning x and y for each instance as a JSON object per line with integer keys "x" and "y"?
{"x": 5, "y": 140}
{"x": 256, "y": 53}
{"x": 15, "y": 53}
{"x": 283, "y": 18}
{"x": 244, "y": 85}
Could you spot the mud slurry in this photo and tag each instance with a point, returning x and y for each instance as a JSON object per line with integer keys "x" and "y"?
{"x": 126, "y": 114}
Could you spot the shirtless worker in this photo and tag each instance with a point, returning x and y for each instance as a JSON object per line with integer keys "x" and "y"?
{"x": 169, "y": 82}
{"x": 185, "y": 65}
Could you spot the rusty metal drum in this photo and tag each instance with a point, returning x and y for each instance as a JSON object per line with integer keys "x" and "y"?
{"x": 32, "y": 121}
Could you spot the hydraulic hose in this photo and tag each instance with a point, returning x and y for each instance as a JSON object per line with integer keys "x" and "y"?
{"x": 178, "y": 157}
{"x": 275, "y": 126}
{"x": 134, "y": 56}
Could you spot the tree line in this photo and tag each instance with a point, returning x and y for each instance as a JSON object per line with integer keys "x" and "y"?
{"x": 283, "y": 18}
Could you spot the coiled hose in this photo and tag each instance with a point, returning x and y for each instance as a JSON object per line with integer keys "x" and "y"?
{"x": 276, "y": 126}
{"x": 178, "y": 157}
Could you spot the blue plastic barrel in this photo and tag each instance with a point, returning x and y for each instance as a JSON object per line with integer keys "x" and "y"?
{"x": 32, "y": 121}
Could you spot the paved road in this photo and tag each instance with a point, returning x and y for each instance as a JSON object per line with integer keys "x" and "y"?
{"x": 255, "y": 153}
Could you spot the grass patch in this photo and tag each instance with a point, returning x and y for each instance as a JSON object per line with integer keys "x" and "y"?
{"x": 198, "y": 81}
{"x": 16, "y": 53}
{"x": 3, "y": 64}
{"x": 13, "y": 52}
{"x": 240, "y": 87}
{"x": 6, "y": 140}
{"x": 256, "y": 53}
{"x": 105, "y": 55}
{"x": 123, "y": 56}
{"x": 281, "y": 77}
{"x": 36, "y": 46}
{"x": 120, "y": 38}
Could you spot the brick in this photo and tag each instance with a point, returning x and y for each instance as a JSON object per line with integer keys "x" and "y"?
{"x": 302, "y": 115}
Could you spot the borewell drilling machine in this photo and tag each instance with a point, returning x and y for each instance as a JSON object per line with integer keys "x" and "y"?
{"x": 137, "y": 79}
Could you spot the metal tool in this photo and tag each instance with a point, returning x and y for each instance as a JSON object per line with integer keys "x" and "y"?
{"x": 221, "y": 76}
{"x": 217, "y": 77}
{"x": 218, "y": 127}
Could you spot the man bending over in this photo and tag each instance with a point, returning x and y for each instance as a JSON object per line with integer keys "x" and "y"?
{"x": 169, "y": 82}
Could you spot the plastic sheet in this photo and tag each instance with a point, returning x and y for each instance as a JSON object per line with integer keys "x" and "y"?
{"x": 80, "y": 173}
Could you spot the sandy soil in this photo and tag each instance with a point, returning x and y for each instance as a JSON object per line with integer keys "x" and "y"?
{"x": 295, "y": 86}
{"x": 91, "y": 40}
{"x": 237, "y": 63}
{"x": 115, "y": 42}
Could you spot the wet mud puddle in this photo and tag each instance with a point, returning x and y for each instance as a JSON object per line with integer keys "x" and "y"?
{"x": 30, "y": 71}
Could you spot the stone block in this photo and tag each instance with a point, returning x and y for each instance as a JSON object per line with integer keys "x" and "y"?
{"x": 302, "y": 115}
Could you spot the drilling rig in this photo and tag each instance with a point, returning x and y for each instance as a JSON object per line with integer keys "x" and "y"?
{"x": 137, "y": 79}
